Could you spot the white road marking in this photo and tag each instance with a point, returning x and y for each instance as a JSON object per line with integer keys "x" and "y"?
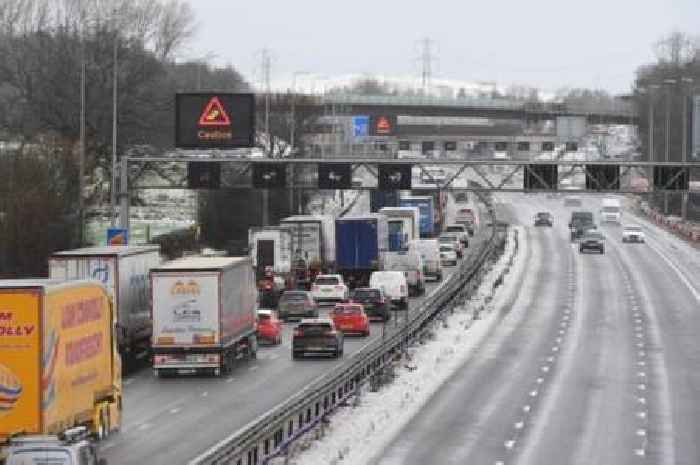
{"x": 519, "y": 425}
{"x": 253, "y": 368}
{"x": 174, "y": 410}
{"x": 641, "y": 432}
{"x": 526, "y": 408}
{"x": 509, "y": 444}
{"x": 540, "y": 380}
{"x": 205, "y": 394}
{"x": 230, "y": 380}
{"x": 533, "y": 393}
{"x": 127, "y": 381}
{"x": 642, "y": 386}
{"x": 144, "y": 426}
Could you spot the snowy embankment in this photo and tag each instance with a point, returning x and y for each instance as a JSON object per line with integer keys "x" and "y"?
{"x": 358, "y": 433}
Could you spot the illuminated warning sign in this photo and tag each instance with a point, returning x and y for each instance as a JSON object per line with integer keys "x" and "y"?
{"x": 383, "y": 125}
{"x": 214, "y": 121}
{"x": 214, "y": 114}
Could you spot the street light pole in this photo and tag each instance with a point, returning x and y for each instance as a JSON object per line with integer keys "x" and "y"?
{"x": 81, "y": 159}
{"x": 115, "y": 78}
{"x": 667, "y": 154}
{"x": 684, "y": 196}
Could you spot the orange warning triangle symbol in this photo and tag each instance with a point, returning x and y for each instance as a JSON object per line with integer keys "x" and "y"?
{"x": 383, "y": 125}
{"x": 214, "y": 114}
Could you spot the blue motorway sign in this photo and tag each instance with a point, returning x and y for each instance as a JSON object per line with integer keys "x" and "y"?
{"x": 360, "y": 126}
{"x": 117, "y": 236}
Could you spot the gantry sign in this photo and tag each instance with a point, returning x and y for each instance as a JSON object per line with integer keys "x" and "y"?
{"x": 388, "y": 174}
{"x": 214, "y": 121}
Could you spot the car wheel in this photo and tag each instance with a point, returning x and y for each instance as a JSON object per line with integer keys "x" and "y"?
{"x": 296, "y": 355}
{"x": 580, "y": 250}
{"x": 602, "y": 251}
{"x": 365, "y": 333}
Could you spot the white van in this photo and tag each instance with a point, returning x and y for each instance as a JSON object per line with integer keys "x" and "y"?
{"x": 394, "y": 286}
{"x": 429, "y": 250}
{"x": 611, "y": 211}
{"x": 411, "y": 263}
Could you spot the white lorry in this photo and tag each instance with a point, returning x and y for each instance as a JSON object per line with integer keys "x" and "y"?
{"x": 611, "y": 211}
{"x": 203, "y": 314}
{"x": 124, "y": 272}
{"x": 411, "y": 263}
{"x": 429, "y": 250}
{"x": 313, "y": 238}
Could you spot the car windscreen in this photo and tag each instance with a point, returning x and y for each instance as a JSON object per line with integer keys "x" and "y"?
{"x": 315, "y": 329}
{"x": 264, "y": 317}
{"x": 454, "y": 229}
{"x": 366, "y": 294}
{"x": 611, "y": 209}
{"x": 633, "y": 228}
{"x": 348, "y": 310}
{"x": 326, "y": 281}
{"x": 593, "y": 236}
{"x": 543, "y": 215}
{"x": 293, "y": 297}
{"x": 447, "y": 239}
{"x": 41, "y": 456}
{"x": 446, "y": 248}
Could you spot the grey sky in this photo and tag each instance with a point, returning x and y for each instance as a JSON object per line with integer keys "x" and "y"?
{"x": 544, "y": 43}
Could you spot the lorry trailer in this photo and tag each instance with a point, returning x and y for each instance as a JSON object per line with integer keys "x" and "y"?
{"x": 203, "y": 314}
{"x": 59, "y": 367}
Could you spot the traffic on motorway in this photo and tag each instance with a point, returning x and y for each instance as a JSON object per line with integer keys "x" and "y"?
{"x": 307, "y": 284}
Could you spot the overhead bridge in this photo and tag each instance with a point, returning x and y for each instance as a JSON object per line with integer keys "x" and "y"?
{"x": 613, "y": 112}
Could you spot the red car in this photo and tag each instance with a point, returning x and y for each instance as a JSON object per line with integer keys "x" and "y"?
{"x": 269, "y": 327}
{"x": 351, "y": 318}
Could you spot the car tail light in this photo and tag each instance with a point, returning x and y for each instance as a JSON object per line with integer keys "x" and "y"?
{"x": 314, "y": 288}
{"x": 298, "y": 332}
{"x": 161, "y": 359}
{"x": 332, "y": 333}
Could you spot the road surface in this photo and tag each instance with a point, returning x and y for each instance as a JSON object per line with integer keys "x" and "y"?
{"x": 596, "y": 362}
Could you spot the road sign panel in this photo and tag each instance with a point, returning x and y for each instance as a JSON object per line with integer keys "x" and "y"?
{"x": 394, "y": 177}
{"x": 334, "y": 175}
{"x": 269, "y": 175}
{"x": 214, "y": 121}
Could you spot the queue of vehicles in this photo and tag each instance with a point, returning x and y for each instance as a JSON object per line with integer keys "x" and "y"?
{"x": 197, "y": 314}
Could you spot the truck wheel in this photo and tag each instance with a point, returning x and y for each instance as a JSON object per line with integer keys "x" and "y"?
{"x": 252, "y": 347}
{"x": 103, "y": 426}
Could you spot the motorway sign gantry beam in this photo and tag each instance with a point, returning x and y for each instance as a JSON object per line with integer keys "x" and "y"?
{"x": 601, "y": 176}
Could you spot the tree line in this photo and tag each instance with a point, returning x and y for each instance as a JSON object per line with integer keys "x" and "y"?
{"x": 44, "y": 45}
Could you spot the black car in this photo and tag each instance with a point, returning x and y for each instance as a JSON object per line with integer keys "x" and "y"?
{"x": 592, "y": 240}
{"x": 544, "y": 219}
{"x": 374, "y": 301}
{"x": 317, "y": 336}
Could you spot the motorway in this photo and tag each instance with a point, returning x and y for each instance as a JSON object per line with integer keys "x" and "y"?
{"x": 595, "y": 362}
{"x": 168, "y": 421}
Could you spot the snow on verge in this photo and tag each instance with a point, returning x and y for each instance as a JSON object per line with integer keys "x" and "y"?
{"x": 359, "y": 433}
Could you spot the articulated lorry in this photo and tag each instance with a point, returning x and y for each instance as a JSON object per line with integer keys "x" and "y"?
{"x": 203, "y": 314}
{"x": 59, "y": 365}
{"x": 124, "y": 272}
{"x": 361, "y": 242}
